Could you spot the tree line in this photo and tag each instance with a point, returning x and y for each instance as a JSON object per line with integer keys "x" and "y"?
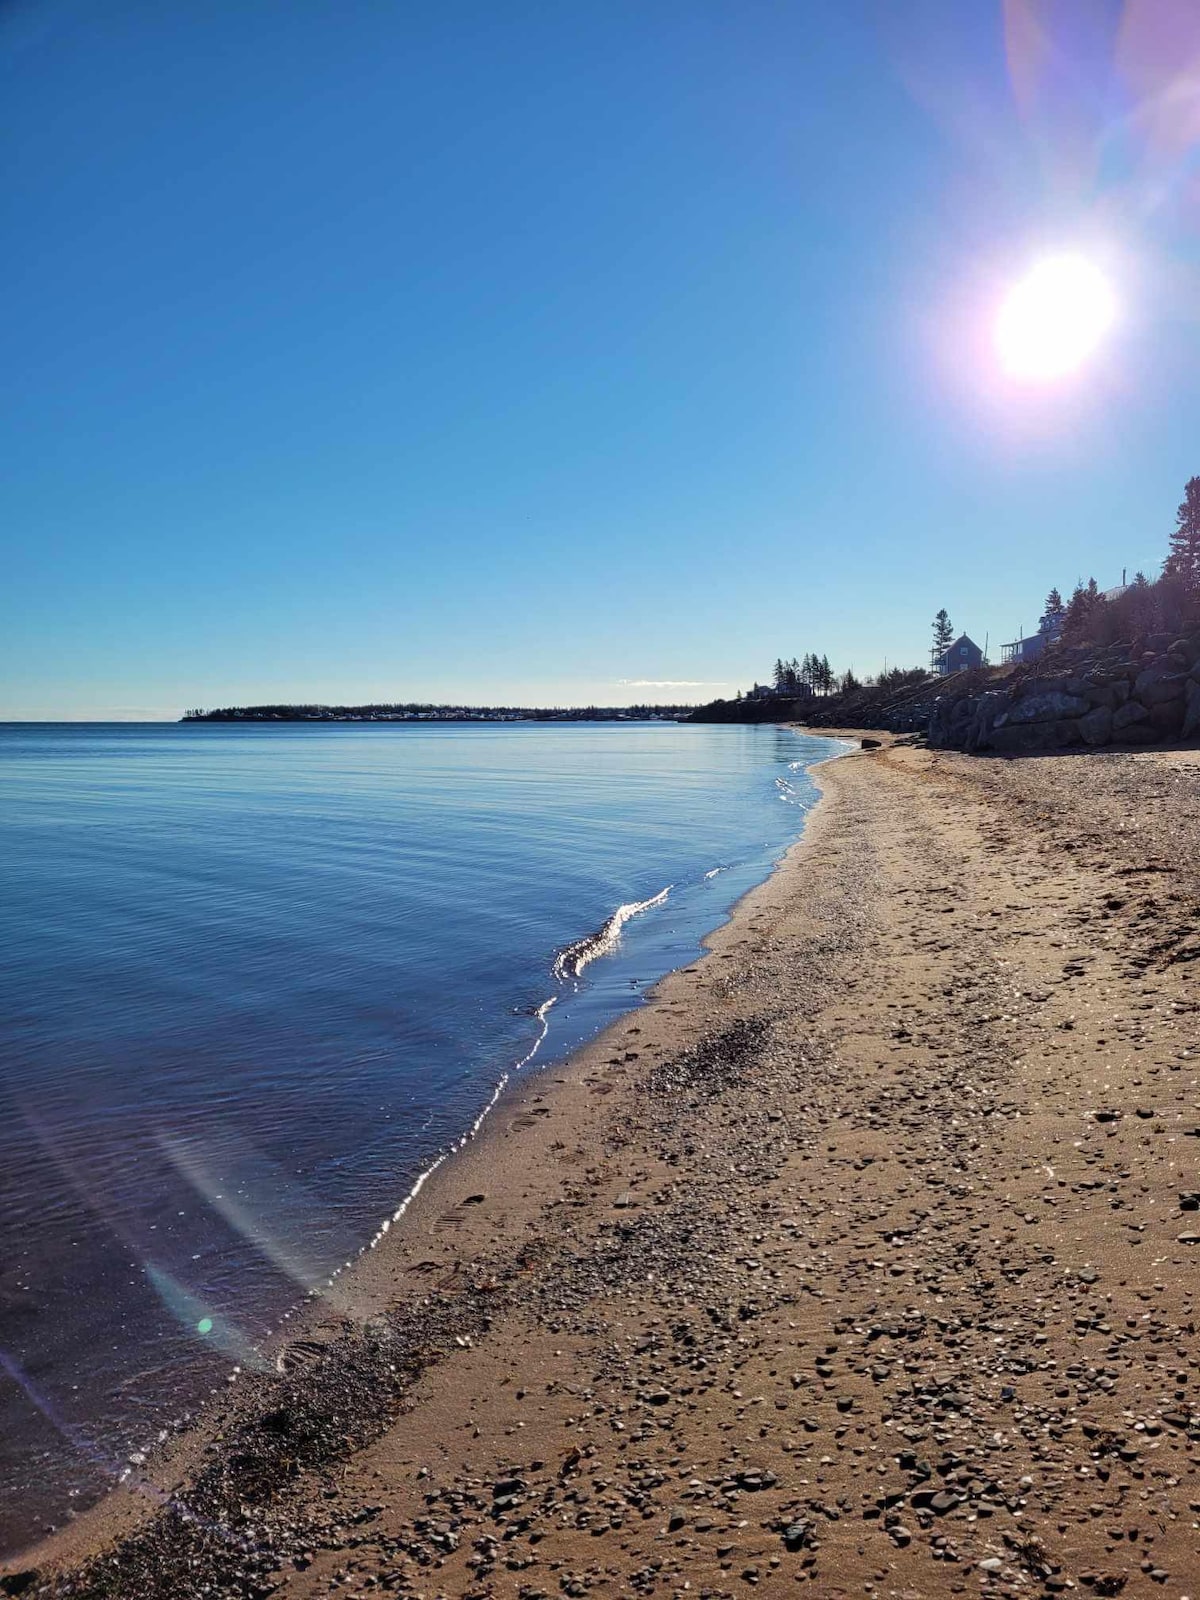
{"x": 418, "y": 710}
{"x": 813, "y": 673}
{"x": 1169, "y": 603}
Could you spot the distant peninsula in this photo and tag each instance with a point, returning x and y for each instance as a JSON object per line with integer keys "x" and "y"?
{"x": 432, "y": 713}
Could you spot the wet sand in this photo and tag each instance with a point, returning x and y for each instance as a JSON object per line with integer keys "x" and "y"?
{"x": 864, "y": 1258}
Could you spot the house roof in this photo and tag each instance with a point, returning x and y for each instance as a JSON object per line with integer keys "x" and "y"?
{"x": 963, "y": 638}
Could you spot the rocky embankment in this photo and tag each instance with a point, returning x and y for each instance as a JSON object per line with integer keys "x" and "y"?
{"x": 1118, "y": 695}
{"x": 1088, "y": 697}
{"x": 892, "y": 708}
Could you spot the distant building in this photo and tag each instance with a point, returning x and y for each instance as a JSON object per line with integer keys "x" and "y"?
{"x": 961, "y": 656}
{"x": 1023, "y": 649}
{"x": 1049, "y": 629}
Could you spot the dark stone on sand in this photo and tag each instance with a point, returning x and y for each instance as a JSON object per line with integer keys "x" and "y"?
{"x": 939, "y": 1501}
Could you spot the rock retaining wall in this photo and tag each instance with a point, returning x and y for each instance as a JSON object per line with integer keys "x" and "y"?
{"x": 1117, "y": 695}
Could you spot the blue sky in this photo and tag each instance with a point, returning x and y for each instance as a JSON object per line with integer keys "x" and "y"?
{"x": 538, "y": 352}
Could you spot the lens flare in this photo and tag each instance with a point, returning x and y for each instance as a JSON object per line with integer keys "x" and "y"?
{"x": 1053, "y": 319}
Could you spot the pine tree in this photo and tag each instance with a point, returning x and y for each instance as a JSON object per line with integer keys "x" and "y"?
{"x": 1183, "y": 560}
{"x": 1075, "y": 616}
{"x": 826, "y": 675}
{"x": 1054, "y": 606}
{"x": 777, "y": 672}
{"x": 943, "y": 634}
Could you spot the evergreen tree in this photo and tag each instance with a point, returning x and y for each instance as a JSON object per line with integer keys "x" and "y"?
{"x": 826, "y": 675}
{"x": 1076, "y": 615}
{"x": 1054, "y": 609}
{"x": 777, "y": 672}
{"x": 943, "y": 634}
{"x": 1183, "y": 560}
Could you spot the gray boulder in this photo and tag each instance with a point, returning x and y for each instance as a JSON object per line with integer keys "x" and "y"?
{"x": 1166, "y": 718}
{"x": 1029, "y": 738}
{"x": 1191, "y": 714}
{"x": 1172, "y": 687}
{"x": 1096, "y": 727}
{"x": 987, "y": 709}
{"x": 1159, "y": 683}
{"x": 1103, "y": 694}
{"x": 1127, "y": 715}
{"x": 1051, "y": 705}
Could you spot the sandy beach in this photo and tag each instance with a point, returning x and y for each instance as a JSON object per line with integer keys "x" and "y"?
{"x": 864, "y": 1258}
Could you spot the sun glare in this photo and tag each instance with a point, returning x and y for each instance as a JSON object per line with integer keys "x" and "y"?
{"x": 1053, "y": 319}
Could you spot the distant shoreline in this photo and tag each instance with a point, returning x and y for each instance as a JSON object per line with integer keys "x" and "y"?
{"x": 441, "y": 713}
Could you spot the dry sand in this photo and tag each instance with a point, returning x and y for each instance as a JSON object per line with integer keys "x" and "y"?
{"x": 864, "y": 1259}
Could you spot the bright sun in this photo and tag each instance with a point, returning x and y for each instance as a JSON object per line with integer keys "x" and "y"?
{"x": 1053, "y": 319}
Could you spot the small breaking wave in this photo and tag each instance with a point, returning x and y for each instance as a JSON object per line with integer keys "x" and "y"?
{"x": 464, "y": 1139}
{"x": 571, "y": 960}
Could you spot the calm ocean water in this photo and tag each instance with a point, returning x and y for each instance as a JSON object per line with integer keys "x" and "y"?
{"x": 256, "y": 978}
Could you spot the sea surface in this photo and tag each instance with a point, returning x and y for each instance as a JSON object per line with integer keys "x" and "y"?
{"x": 257, "y": 978}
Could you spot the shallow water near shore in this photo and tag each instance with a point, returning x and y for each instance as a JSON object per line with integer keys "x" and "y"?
{"x": 258, "y": 978}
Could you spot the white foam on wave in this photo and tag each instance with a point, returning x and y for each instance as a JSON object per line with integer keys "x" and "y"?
{"x": 570, "y": 961}
{"x": 464, "y": 1139}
